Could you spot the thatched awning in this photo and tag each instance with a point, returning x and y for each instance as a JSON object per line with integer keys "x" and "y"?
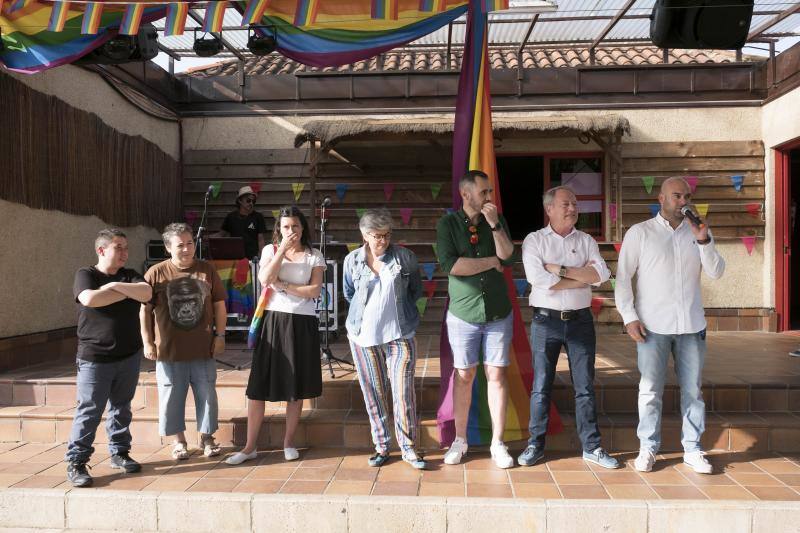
{"x": 331, "y": 131}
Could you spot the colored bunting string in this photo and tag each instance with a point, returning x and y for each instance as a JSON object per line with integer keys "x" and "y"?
{"x": 191, "y": 216}
{"x": 297, "y": 189}
{"x": 648, "y": 183}
{"x": 256, "y": 186}
{"x": 422, "y": 304}
{"x": 495, "y": 5}
{"x": 214, "y": 17}
{"x": 618, "y": 246}
{"x": 654, "y": 209}
{"x": 306, "y": 12}
{"x": 15, "y": 5}
{"x": 737, "y": 182}
{"x": 692, "y": 181}
{"x": 388, "y": 190}
{"x": 216, "y": 187}
{"x": 754, "y": 210}
{"x": 254, "y": 11}
{"x": 430, "y": 287}
{"x": 436, "y": 188}
{"x": 131, "y": 19}
{"x": 91, "y": 18}
{"x": 352, "y": 246}
{"x": 435, "y": 250}
{"x": 702, "y": 209}
{"x": 360, "y": 212}
{"x": 749, "y": 242}
{"x": 432, "y": 5}
{"x": 176, "y": 19}
{"x": 597, "y": 306}
{"x": 429, "y": 269}
{"x": 405, "y": 214}
{"x": 521, "y": 285}
{"x": 276, "y": 214}
{"x": 58, "y": 16}
{"x": 341, "y": 190}
{"x": 384, "y": 9}
{"x": 613, "y": 283}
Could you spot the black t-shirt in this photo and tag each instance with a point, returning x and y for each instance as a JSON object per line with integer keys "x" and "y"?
{"x": 247, "y": 227}
{"x": 110, "y": 333}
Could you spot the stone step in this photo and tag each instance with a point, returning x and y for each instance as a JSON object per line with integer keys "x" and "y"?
{"x": 349, "y": 428}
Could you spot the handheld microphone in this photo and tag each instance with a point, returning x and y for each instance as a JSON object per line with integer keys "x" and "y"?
{"x": 326, "y": 202}
{"x": 688, "y": 213}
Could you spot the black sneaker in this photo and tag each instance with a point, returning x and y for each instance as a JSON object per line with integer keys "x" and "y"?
{"x": 123, "y": 460}
{"x": 530, "y": 456}
{"x": 78, "y": 475}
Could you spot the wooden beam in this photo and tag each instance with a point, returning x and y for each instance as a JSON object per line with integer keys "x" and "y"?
{"x": 612, "y": 23}
{"x": 770, "y": 23}
{"x": 527, "y": 36}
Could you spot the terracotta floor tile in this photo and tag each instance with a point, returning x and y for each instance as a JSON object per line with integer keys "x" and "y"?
{"x": 171, "y": 484}
{"x": 593, "y": 492}
{"x": 130, "y": 482}
{"x": 358, "y": 460}
{"x": 441, "y": 489}
{"x": 259, "y": 486}
{"x": 773, "y": 493}
{"x": 489, "y": 490}
{"x": 667, "y": 476}
{"x": 727, "y": 492}
{"x": 779, "y": 467}
{"x": 231, "y": 472}
{"x": 619, "y": 478}
{"x": 631, "y": 492}
{"x": 740, "y": 467}
{"x": 572, "y": 464}
{"x": 478, "y": 462}
{"x": 39, "y": 482}
{"x": 214, "y": 485}
{"x": 36, "y": 468}
{"x": 789, "y": 479}
{"x": 313, "y": 474}
{"x": 487, "y": 476}
{"x": 537, "y": 490}
{"x": 356, "y": 474}
{"x": 395, "y": 488}
{"x": 676, "y": 492}
{"x": 321, "y": 462}
{"x": 349, "y": 487}
{"x": 709, "y": 479}
{"x": 751, "y": 479}
{"x": 404, "y": 474}
{"x": 271, "y": 472}
{"x": 526, "y": 476}
{"x": 444, "y": 475}
{"x": 574, "y": 478}
{"x": 304, "y": 487}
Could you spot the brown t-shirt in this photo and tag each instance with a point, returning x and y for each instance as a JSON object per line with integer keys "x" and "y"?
{"x": 183, "y": 301}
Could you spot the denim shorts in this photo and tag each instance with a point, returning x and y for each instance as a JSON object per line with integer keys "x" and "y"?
{"x": 468, "y": 340}
{"x": 174, "y": 380}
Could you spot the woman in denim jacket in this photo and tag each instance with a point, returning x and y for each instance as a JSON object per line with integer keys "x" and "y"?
{"x": 382, "y": 284}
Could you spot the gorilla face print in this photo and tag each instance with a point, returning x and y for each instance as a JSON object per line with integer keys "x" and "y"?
{"x": 186, "y": 299}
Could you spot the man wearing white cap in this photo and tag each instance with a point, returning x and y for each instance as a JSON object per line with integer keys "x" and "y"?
{"x": 246, "y": 222}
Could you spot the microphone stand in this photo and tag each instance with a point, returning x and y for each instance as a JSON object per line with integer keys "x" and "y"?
{"x": 327, "y": 355}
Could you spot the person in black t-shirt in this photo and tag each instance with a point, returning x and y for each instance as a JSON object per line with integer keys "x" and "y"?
{"x": 109, "y": 298}
{"x": 246, "y": 222}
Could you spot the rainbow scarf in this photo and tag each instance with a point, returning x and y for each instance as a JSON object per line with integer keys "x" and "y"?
{"x": 473, "y": 148}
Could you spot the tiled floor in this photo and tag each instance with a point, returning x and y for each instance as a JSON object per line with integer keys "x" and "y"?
{"x": 333, "y": 471}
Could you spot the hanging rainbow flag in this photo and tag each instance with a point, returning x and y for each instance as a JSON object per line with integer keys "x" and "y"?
{"x": 254, "y": 11}
{"x": 473, "y": 148}
{"x": 58, "y": 16}
{"x": 306, "y": 12}
{"x": 495, "y": 5}
{"x": 176, "y": 19}
{"x": 215, "y": 15}
{"x": 131, "y": 19}
{"x": 15, "y": 5}
{"x": 435, "y": 6}
{"x": 91, "y": 18}
{"x": 384, "y": 9}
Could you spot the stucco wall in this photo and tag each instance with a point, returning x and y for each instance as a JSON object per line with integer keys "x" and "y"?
{"x": 87, "y": 91}
{"x": 42, "y": 251}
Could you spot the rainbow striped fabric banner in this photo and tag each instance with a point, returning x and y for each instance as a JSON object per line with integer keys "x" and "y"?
{"x": 473, "y": 148}
{"x": 494, "y": 5}
{"x": 58, "y": 16}
{"x": 132, "y": 19}
{"x": 385, "y": 9}
{"x": 176, "y": 19}
{"x": 254, "y": 11}
{"x": 215, "y": 15}
{"x": 435, "y": 6}
{"x": 306, "y": 12}
{"x": 91, "y": 18}
{"x": 15, "y": 5}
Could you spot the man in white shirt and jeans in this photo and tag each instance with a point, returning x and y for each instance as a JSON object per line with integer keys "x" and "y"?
{"x": 562, "y": 263}
{"x": 667, "y": 254}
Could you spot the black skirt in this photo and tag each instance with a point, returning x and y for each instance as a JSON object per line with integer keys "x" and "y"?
{"x": 286, "y": 360}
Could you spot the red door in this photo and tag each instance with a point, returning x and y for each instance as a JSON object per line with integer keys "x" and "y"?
{"x": 783, "y": 233}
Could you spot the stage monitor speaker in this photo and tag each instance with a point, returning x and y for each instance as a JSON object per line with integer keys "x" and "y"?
{"x": 720, "y": 24}
{"x": 124, "y": 49}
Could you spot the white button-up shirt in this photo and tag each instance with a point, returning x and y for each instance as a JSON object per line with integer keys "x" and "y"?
{"x": 667, "y": 264}
{"x": 575, "y": 250}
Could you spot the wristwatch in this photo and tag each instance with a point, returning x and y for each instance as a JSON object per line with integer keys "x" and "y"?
{"x": 219, "y": 335}
{"x": 498, "y": 227}
{"x": 562, "y": 272}
{"x": 704, "y": 241}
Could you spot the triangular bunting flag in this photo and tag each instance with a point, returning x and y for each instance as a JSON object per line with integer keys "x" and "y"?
{"x": 737, "y": 182}
{"x": 597, "y": 306}
{"x": 654, "y": 209}
{"x": 256, "y": 186}
{"x": 297, "y": 189}
{"x": 191, "y": 216}
{"x": 341, "y": 190}
{"x": 613, "y": 284}
{"x": 618, "y": 246}
{"x": 430, "y": 287}
{"x": 429, "y": 269}
{"x": 91, "y": 18}
{"x": 422, "y": 303}
{"x": 388, "y": 190}
{"x": 436, "y": 188}
{"x": 216, "y": 187}
{"x": 450, "y": 210}
{"x": 648, "y": 183}
{"x": 749, "y": 242}
{"x": 435, "y": 250}
{"x": 612, "y": 212}
{"x": 405, "y": 214}
{"x": 360, "y": 212}
{"x": 702, "y": 210}
{"x": 276, "y": 214}
{"x": 215, "y": 15}
{"x": 754, "y": 209}
{"x": 352, "y": 246}
{"x": 521, "y": 285}
{"x": 692, "y": 181}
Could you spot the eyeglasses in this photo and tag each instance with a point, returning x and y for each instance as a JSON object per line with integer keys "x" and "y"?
{"x": 381, "y": 236}
{"x": 473, "y": 238}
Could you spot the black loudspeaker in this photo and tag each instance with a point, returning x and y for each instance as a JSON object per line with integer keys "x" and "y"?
{"x": 721, "y": 24}
{"x": 124, "y": 49}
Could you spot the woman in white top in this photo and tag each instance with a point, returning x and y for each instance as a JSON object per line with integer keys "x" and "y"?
{"x": 286, "y": 365}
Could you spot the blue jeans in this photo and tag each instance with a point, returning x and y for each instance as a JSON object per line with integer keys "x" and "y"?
{"x": 689, "y": 351}
{"x": 548, "y": 335}
{"x": 173, "y": 384}
{"x": 99, "y": 384}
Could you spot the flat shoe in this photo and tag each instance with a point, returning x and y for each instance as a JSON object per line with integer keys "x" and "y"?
{"x": 240, "y": 457}
{"x": 290, "y": 454}
{"x": 378, "y": 460}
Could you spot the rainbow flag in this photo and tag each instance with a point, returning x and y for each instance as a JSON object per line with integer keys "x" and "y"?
{"x": 237, "y": 279}
{"x": 215, "y": 15}
{"x": 473, "y": 148}
{"x": 176, "y": 19}
{"x": 495, "y": 5}
{"x": 435, "y": 6}
{"x": 306, "y": 12}
{"x": 384, "y": 9}
{"x": 91, "y": 18}
{"x": 254, "y": 11}
{"x": 58, "y": 16}
{"x": 14, "y": 5}
{"x": 131, "y": 19}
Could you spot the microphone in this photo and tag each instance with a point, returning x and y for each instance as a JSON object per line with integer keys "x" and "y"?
{"x": 326, "y": 202}
{"x": 209, "y": 191}
{"x": 694, "y": 219}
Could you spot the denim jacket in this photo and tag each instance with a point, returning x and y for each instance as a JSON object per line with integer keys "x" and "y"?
{"x": 407, "y": 286}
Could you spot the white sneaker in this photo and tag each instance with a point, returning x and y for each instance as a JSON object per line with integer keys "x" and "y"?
{"x": 500, "y": 455}
{"x": 456, "y": 451}
{"x": 290, "y": 454}
{"x": 645, "y": 461}
{"x": 240, "y": 457}
{"x": 697, "y": 462}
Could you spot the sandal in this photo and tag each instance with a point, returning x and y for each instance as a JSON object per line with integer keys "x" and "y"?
{"x": 209, "y": 446}
{"x": 180, "y": 451}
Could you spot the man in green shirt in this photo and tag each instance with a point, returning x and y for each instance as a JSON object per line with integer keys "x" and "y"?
{"x": 474, "y": 246}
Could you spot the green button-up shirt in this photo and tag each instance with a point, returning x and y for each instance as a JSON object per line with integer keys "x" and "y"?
{"x": 482, "y": 297}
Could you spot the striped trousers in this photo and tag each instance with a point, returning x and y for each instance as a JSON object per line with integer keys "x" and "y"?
{"x": 391, "y": 364}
